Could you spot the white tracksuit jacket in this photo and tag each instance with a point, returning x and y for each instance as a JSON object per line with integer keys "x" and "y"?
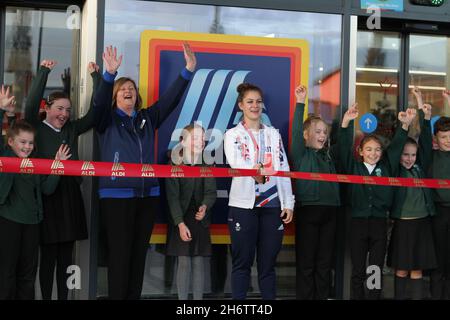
{"x": 240, "y": 154}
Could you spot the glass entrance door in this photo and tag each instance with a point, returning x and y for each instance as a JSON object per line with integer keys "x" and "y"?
{"x": 389, "y": 65}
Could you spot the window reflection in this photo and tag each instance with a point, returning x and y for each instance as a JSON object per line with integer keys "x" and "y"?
{"x": 429, "y": 71}
{"x": 377, "y": 70}
{"x": 31, "y": 36}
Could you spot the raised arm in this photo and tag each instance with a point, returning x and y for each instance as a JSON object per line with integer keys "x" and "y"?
{"x": 418, "y": 95}
{"x": 160, "y": 110}
{"x": 37, "y": 92}
{"x": 298, "y": 145}
{"x": 446, "y": 94}
{"x": 86, "y": 122}
{"x": 345, "y": 138}
{"x": 395, "y": 148}
{"x": 103, "y": 96}
{"x": 425, "y": 139}
{"x": 7, "y": 105}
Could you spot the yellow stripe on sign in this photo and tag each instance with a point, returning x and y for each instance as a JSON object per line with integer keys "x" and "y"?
{"x": 215, "y": 239}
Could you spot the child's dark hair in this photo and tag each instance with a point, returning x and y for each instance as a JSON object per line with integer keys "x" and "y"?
{"x": 368, "y": 138}
{"x": 55, "y": 95}
{"x": 52, "y": 97}
{"x": 17, "y": 127}
{"x": 243, "y": 88}
{"x": 412, "y": 141}
{"x": 443, "y": 124}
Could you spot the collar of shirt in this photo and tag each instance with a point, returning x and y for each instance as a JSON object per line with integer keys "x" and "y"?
{"x": 124, "y": 114}
{"x": 370, "y": 167}
{"x": 56, "y": 129}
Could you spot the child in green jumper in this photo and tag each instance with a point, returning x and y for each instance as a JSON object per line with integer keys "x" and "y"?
{"x": 190, "y": 202}
{"x": 317, "y": 211}
{"x": 21, "y": 211}
{"x": 411, "y": 248}
{"x": 440, "y": 169}
{"x": 64, "y": 216}
{"x": 369, "y": 204}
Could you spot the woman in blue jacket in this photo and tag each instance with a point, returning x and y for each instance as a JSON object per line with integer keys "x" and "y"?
{"x": 126, "y": 134}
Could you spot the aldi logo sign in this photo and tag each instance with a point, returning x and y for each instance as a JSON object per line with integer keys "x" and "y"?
{"x": 277, "y": 66}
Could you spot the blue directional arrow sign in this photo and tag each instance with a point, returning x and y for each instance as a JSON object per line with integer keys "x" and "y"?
{"x": 433, "y": 121}
{"x": 368, "y": 123}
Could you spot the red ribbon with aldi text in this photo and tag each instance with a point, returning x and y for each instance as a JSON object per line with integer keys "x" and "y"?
{"x": 109, "y": 169}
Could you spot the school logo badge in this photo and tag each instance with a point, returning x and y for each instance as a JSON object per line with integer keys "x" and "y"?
{"x": 117, "y": 170}
{"x": 57, "y": 167}
{"x": 147, "y": 171}
{"x": 26, "y": 166}
{"x": 87, "y": 169}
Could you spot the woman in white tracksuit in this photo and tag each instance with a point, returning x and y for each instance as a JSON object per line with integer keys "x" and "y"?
{"x": 261, "y": 205}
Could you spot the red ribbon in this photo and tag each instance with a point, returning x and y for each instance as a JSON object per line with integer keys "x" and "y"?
{"x": 108, "y": 169}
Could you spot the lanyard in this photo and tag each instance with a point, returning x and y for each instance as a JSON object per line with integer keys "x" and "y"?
{"x": 258, "y": 158}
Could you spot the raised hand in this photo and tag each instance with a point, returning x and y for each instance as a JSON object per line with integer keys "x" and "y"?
{"x": 189, "y": 56}
{"x": 201, "y": 212}
{"x": 446, "y": 94}
{"x": 351, "y": 114}
{"x": 112, "y": 62}
{"x": 185, "y": 233}
{"x": 406, "y": 117}
{"x": 49, "y": 63}
{"x": 418, "y": 94}
{"x": 7, "y": 102}
{"x": 65, "y": 78}
{"x": 287, "y": 215}
{"x": 300, "y": 94}
{"x": 93, "y": 67}
{"x": 63, "y": 152}
{"x": 427, "y": 111}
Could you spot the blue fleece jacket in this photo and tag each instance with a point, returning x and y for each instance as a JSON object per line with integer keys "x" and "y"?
{"x": 130, "y": 139}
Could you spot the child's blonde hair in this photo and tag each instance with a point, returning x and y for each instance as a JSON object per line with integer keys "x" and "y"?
{"x": 312, "y": 118}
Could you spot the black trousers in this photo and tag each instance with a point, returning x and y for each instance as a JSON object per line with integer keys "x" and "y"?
{"x": 440, "y": 277}
{"x": 260, "y": 231}
{"x": 128, "y": 224}
{"x": 19, "y": 247}
{"x": 59, "y": 254}
{"x": 314, "y": 247}
{"x": 368, "y": 237}
{"x": 219, "y": 259}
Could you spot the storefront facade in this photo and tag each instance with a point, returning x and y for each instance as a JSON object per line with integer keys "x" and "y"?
{"x": 352, "y": 56}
